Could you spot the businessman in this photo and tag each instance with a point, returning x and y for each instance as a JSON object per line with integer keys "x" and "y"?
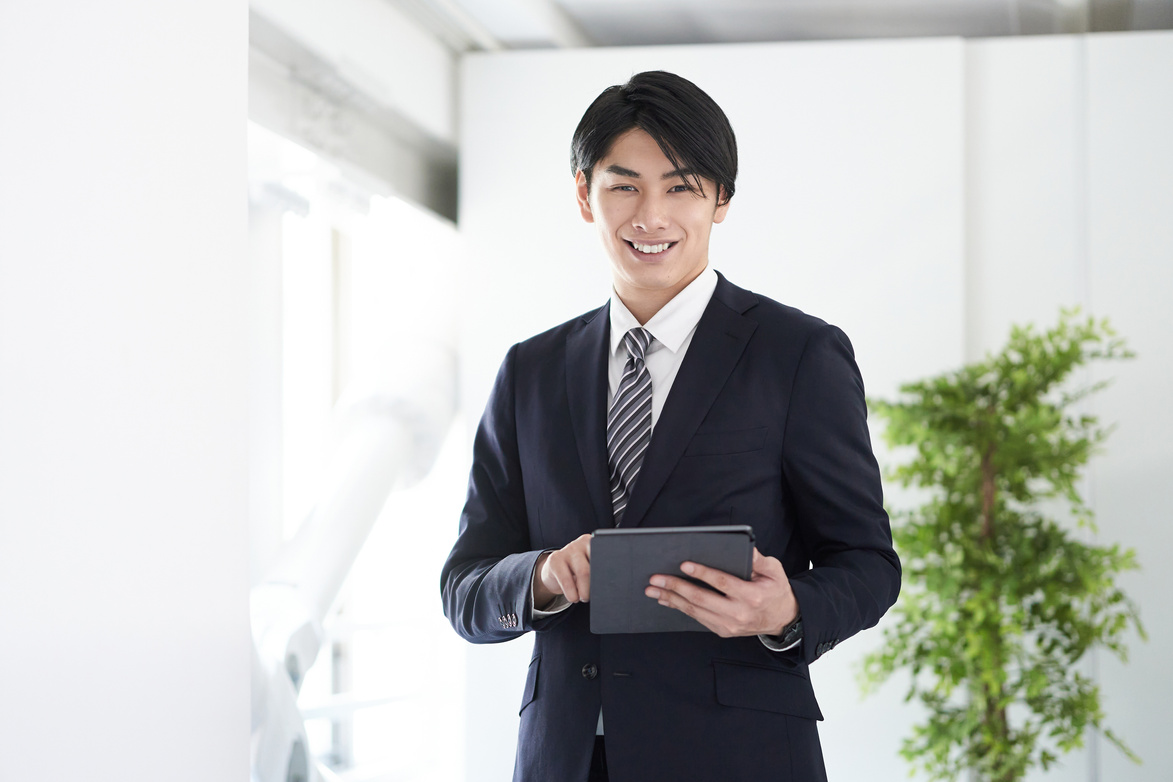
{"x": 685, "y": 400}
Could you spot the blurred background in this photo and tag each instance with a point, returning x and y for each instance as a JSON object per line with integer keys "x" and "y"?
{"x": 259, "y": 263}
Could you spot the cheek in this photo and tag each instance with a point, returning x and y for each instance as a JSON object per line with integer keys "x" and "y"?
{"x": 700, "y": 225}
{"x": 609, "y": 215}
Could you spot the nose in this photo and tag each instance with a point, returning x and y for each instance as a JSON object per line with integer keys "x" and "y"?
{"x": 651, "y": 214}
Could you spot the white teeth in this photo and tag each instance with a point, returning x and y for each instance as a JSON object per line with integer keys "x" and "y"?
{"x": 651, "y": 248}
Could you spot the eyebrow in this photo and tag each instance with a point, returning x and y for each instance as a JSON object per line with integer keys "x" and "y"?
{"x": 679, "y": 173}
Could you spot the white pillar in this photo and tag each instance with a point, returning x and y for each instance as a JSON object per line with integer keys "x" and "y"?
{"x": 124, "y": 635}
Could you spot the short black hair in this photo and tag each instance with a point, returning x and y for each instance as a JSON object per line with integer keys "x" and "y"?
{"x": 690, "y": 128}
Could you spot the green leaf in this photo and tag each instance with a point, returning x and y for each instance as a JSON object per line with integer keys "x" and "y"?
{"x": 1001, "y": 601}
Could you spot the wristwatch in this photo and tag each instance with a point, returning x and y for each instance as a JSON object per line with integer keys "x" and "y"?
{"x": 789, "y": 638}
{"x": 792, "y": 633}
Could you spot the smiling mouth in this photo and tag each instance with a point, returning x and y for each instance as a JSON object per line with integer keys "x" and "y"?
{"x": 650, "y": 249}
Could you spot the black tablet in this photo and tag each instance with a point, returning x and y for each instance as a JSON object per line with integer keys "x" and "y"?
{"x": 623, "y": 561}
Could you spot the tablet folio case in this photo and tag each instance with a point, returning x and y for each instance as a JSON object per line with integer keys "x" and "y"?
{"x": 624, "y": 560}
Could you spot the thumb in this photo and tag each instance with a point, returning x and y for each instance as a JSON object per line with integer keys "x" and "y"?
{"x": 767, "y": 566}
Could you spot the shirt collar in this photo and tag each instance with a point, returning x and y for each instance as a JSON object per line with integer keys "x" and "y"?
{"x": 675, "y": 320}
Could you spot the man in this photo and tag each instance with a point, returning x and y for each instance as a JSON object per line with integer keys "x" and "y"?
{"x": 684, "y": 401}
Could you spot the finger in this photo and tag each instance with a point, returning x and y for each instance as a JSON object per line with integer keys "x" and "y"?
{"x": 727, "y": 618}
{"x": 579, "y": 567}
{"x": 568, "y": 589}
{"x": 549, "y": 574}
{"x": 710, "y": 619}
{"x": 696, "y": 595}
{"x": 565, "y": 578}
{"x": 582, "y": 578}
{"x": 718, "y": 579}
{"x": 567, "y": 564}
{"x": 769, "y": 567}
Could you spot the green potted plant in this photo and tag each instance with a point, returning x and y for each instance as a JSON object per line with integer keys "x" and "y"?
{"x": 1002, "y": 599}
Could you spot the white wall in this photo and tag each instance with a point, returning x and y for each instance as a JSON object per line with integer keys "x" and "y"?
{"x": 124, "y": 634}
{"x": 1026, "y": 250}
{"x": 1130, "y": 252}
{"x": 1068, "y": 202}
{"x": 924, "y": 195}
{"x": 849, "y": 206}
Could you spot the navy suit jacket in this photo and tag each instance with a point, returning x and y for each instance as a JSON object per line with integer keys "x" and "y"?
{"x": 765, "y": 425}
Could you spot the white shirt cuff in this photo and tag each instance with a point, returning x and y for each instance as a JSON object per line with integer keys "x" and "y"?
{"x": 774, "y": 643}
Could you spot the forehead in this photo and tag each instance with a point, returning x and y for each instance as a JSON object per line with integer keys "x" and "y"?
{"x": 636, "y": 151}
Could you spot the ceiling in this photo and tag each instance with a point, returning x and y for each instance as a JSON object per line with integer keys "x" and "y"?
{"x": 329, "y": 75}
{"x": 527, "y": 24}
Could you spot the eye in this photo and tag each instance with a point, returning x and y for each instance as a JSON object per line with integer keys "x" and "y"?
{"x": 624, "y": 188}
{"x": 680, "y": 189}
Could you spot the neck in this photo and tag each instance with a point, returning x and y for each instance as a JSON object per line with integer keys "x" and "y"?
{"x": 644, "y": 303}
{"x": 642, "y": 307}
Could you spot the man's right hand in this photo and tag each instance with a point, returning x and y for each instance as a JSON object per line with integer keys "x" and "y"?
{"x": 565, "y": 572}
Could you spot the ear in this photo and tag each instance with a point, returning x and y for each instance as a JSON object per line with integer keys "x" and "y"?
{"x": 723, "y": 209}
{"x": 584, "y": 196}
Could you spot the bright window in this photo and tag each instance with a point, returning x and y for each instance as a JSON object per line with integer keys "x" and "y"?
{"x": 366, "y": 283}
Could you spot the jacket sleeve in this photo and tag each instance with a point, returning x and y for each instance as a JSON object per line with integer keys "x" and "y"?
{"x": 833, "y": 481}
{"x": 485, "y": 582}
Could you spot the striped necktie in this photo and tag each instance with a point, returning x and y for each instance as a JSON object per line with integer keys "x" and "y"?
{"x": 629, "y": 422}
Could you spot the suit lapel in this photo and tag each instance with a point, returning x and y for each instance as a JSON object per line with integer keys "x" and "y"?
{"x": 586, "y": 391}
{"x": 720, "y": 339}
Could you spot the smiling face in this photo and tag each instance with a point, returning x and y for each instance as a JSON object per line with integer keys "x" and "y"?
{"x": 653, "y": 222}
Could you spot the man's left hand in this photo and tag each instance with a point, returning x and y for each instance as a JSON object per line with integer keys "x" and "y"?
{"x": 763, "y": 605}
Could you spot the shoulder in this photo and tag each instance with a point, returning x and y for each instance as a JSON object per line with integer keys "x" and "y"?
{"x": 777, "y": 323}
{"x": 552, "y": 342}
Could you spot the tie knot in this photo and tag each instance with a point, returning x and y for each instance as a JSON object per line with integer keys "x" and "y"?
{"x": 637, "y": 341}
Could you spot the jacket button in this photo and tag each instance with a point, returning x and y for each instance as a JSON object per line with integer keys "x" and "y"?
{"x": 589, "y": 671}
